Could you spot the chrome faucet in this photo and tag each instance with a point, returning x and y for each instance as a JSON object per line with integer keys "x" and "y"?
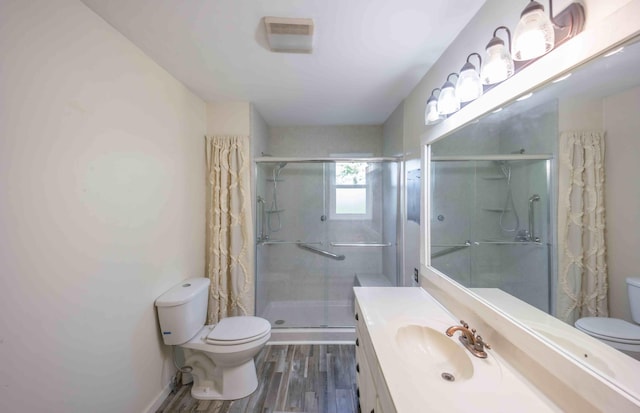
{"x": 474, "y": 343}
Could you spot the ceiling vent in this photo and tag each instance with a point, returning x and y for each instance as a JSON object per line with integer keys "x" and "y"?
{"x": 289, "y": 35}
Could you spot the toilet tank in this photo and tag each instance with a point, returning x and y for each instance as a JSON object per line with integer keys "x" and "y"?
{"x": 633, "y": 288}
{"x": 182, "y": 310}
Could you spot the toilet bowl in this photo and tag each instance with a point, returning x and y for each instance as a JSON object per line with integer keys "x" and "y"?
{"x": 619, "y": 334}
{"x": 221, "y": 355}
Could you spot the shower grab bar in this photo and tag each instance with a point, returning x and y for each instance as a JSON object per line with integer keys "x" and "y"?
{"x": 261, "y": 218}
{"x": 279, "y": 242}
{"x": 507, "y": 242}
{"x": 451, "y": 249}
{"x": 465, "y": 244}
{"x": 321, "y": 252}
{"x": 359, "y": 244}
{"x": 532, "y": 236}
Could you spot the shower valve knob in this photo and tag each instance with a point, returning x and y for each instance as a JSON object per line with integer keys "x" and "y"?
{"x": 323, "y": 218}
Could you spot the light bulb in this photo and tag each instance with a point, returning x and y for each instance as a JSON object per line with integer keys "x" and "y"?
{"x": 431, "y": 114}
{"x": 469, "y": 86}
{"x": 534, "y": 35}
{"x": 448, "y": 102}
{"x": 498, "y": 66}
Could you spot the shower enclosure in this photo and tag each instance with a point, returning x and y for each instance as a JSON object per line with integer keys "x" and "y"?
{"x": 490, "y": 223}
{"x": 322, "y": 226}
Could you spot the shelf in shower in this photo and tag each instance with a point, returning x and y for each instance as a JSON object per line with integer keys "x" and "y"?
{"x": 275, "y": 180}
{"x": 497, "y": 209}
{"x": 492, "y": 177}
{"x": 274, "y": 211}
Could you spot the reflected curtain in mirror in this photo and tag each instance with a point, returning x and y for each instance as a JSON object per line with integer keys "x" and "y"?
{"x": 229, "y": 232}
{"x": 582, "y": 283}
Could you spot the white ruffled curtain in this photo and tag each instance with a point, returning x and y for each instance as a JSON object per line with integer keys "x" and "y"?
{"x": 582, "y": 279}
{"x": 229, "y": 231}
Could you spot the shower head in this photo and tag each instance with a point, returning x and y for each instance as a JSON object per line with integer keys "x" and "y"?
{"x": 534, "y": 197}
{"x": 282, "y": 165}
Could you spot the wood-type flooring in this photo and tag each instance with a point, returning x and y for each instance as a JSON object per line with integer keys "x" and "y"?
{"x": 291, "y": 378}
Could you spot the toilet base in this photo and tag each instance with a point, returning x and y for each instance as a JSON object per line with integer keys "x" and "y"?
{"x": 228, "y": 383}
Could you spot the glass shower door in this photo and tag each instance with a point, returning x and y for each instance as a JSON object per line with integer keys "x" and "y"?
{"x": 321, "y": 227}
{"x": 291, "y": 288}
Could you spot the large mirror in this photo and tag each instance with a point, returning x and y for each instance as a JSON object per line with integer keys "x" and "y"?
{"x": 499, "y": 204}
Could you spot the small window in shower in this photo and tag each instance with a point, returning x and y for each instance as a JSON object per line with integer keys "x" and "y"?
{"x": 351, "y": 195}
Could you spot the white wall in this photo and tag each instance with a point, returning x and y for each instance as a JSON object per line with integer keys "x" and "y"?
{"x": 229, "y": 119}
{"x": 319, "y": 141}
{"x": 101, "y": 176}
{"x": 259, "y": 133}
{"x": 622, "y": 199}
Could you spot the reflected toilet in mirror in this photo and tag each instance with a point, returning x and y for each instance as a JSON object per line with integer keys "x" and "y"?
{"x": 619, "y": 334}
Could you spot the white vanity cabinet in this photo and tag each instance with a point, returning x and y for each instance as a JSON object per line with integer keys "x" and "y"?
{"x": 373, "y": 394}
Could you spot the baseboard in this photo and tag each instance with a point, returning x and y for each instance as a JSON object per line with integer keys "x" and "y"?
{"x": 157, "y": 402}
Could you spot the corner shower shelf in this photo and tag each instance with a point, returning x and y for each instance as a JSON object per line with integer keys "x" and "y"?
{"x": 275, "y": 180}
{"x": 492, "y": 177}
{"x": 274, "y": 211}
{"x": 497, "y": 209}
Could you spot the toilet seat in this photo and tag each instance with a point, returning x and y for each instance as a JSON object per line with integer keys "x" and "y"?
{"x": 238, "y": 330}
{"x": 610, "y": 329}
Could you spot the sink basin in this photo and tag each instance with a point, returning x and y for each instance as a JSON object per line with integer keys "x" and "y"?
{"x": 433, "y": 353}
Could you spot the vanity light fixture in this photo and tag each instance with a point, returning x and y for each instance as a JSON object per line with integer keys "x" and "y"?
{"x": 469, "y": 86}
{"x": 537, "y": 33}
{"x": 431, "y": 114}
{"x": 448, "y": 102}
{"x": 499, "y": 64}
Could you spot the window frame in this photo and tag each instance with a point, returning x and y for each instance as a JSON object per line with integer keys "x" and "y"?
{"x": 333, "y": 186}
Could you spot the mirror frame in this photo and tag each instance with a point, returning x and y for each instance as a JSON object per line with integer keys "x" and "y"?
{"x": 616, "y": 29}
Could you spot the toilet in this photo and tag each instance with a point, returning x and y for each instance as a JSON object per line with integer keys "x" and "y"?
{"x": 617, "y": 333}
{"x": 219, "y": 356}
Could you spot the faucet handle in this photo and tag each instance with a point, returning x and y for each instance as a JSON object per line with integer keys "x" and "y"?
{"x": 480, "y": 344}
{"x": 465, "y": 325}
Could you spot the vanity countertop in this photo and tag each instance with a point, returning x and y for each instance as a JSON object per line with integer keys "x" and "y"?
{"x": 481, "y": 385}
{"x": 601, "y": 358}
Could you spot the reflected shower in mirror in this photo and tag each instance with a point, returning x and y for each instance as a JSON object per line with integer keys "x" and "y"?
{"x": 500, "y": 225}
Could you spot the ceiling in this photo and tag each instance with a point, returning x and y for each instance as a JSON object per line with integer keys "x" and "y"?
{"x": 368, "y": 54}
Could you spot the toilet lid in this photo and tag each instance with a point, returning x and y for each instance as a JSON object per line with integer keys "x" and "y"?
{"x": 237, "y": 330}
{"x": 612, "y": 329}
